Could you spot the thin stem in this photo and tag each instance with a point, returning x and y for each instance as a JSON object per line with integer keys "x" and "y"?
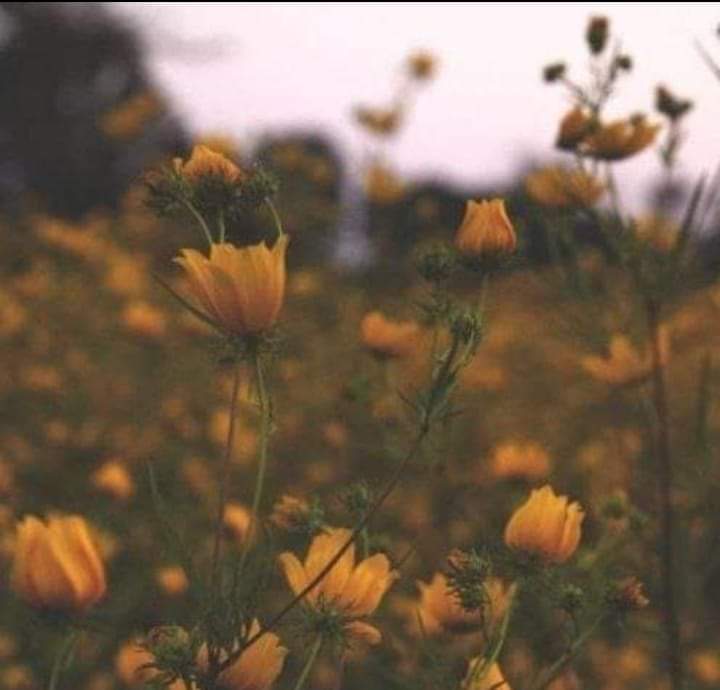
{"x": 667, "y": 513}
{"x": 62, "y": 658}
{"x": 365, "y": 541}
{"x": 613, "y": 190}
{"x": 223, "y": 481}
{"x": 309, "y": 663}
{"x": 484, "y": 663}
{"x": 200, "y": 220}
{"x": 266, "y": 419}
{"x": 276, "y": 217}
{"x": 221, "y": 226}
{"x": 553, "y": 671}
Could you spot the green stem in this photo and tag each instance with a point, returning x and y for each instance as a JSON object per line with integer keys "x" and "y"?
{"x": 201, "y": 222}
{"x": 309, "y": 663}
{"x": 276, "y": 217}
{"x": 365, "y": 540}
{"x": 221, "y": 226}
{"x": 223, "y": 482}
{"x": 63, "y": 657}
{"x": 265, "y": 422}
{"x": 485, "y": 663}
{"x": 553, "y": 671}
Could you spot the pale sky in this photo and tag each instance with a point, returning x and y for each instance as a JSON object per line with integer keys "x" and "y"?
{"x": 247, "y": 68}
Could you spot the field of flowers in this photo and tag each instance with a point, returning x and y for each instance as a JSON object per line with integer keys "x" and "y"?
{"x": 484, "y": 460}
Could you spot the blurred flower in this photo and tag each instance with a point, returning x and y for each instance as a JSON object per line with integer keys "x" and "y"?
{"x": 704, "y": 664}
{"x": 597, "y": 34}
{"x": 17, "y": 677}
{"x": 493, "y": 679}
{"x": 553, "y": 72}
{"x": 386, "y": 338}
{"x": 204, "y": 162}
{"x": 131, "y": 664}
{"x": 440, "y": 608}
{"x": 348, "y": 590}
{"x": 657, "y": 231}
{"x": 619, "y": 139}
{"x": 112, "y": 478}
{"x": 485, "y": 230}
{"x": 289, "y": 513}
{"x": 383, "y": 186}
{"x": 57, "y": 565}
{"x": 237, "y": 521}
{"x": 172, "y": 580}
{"x": 628, "y": 595}
{"x": 257, "y": 668}
{"x": 668, "y": 104}
{"x": 422, "y": 65}
{"x": 546, "y": 525}
{"x": 519, "y": 460}
{"x": 558, "y": 187}
{"x": 574, "y": 127}
{"x": 128, "y": 119}
{"x": 240, "y": 289}
{"x": 379, "y": 121}
{"x": 625, "y": 366}
{"x": 141, "y": 318}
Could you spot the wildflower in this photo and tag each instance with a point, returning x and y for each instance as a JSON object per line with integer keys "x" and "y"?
{"x": 290, "y": 513}
{"x": 132, "y": 664}
{"x": 440, "y": 608}
{"x": 113, "y": 479}
{"x": 382, "y": 122}
{"x": 658, "y": 232}
{"x": 546, "y": 525}
{"x": 574, "y": 127}
{"x": 386, "y": 338}
{"x": 237, "y": 521}
{"x": 172, "y": 580}
{"x": 144, "y": 320}
{"x": 257, "y": 668}
{"x": 629, "y": 595}
{"x": 704, "y": 665}
{"x": 128, "y": 119}
{"x": 597, "y": 34}
{"x": 206, "y": 163}
{"x": 620, "y": 139}
{"x": 57, "y": 566}
{"x": 479, "y": 679}
{"x": 383, "y": 186}
{"x": 241, "y": 290}
{"x": 625, "y": 366}
{"x": 422, "y": 65}
{"x": 347, "y": 591}
{"x": 520, "y": 460}
{"x": 485, "y": 230}
{"x": 558, "y": 187}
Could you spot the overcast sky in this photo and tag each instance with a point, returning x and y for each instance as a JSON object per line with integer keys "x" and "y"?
{"x": 246, "y": 68}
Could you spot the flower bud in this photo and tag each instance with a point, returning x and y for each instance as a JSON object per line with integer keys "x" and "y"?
{"x": 486, "y": 230}
{"x": 597, "y": 34}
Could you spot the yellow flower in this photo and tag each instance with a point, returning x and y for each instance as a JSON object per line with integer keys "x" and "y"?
{"x": 492, "y": 679}
{"x": 237, "y": 521}
{"x": 172, "y": 580}
{"x": 351, "y": 591}
{"x": 546, "y": 525}
{"x": 485, "y": 230}
{"x": 204, "y": 162}
{"x": 114, "y": 479}
{"x": 440, "y": 608}
{"x": 128, "y": 119}
{"x": 257, "y": 668}
{"x": 558, "y": 187}
{"x": 131, "y": 664}
{"x": 386, "y": 338}
{"x": 619, "y": 139}
{"x": 625, "y": 365}
{"x": 520, "y": 460}
{"x": 57, "y": 565}
{"x": 144, "y": 320}
{"x": 241, "y": 290}
{"x": 574, "y": 127}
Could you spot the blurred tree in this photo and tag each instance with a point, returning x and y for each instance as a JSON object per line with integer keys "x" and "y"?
{"x": 79, "y": 119}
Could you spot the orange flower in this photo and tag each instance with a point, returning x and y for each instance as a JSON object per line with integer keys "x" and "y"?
{"x": 546, "y": 525}
{"x": 479, "y": 679}
{"x": 520, "y": 460}
{"x": 574, "y": 127}
{"x": 558, "y": 187}
{"x": 204, "y": 162}
{"x": 440, "y": 608}
{"x": 620, "y": 139}
{"x": 625, "y": 366}
{"x": 114, "y": 480}
{"x": 386, "y": 338}
{"x": 241, "y": 290}
{"x": 172, "y": 580}
{"x": 349, "y": 590}
{"x": 57, "y": 565}
{"x": 485, "y": 230}
{"x": 257, "y": 668}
